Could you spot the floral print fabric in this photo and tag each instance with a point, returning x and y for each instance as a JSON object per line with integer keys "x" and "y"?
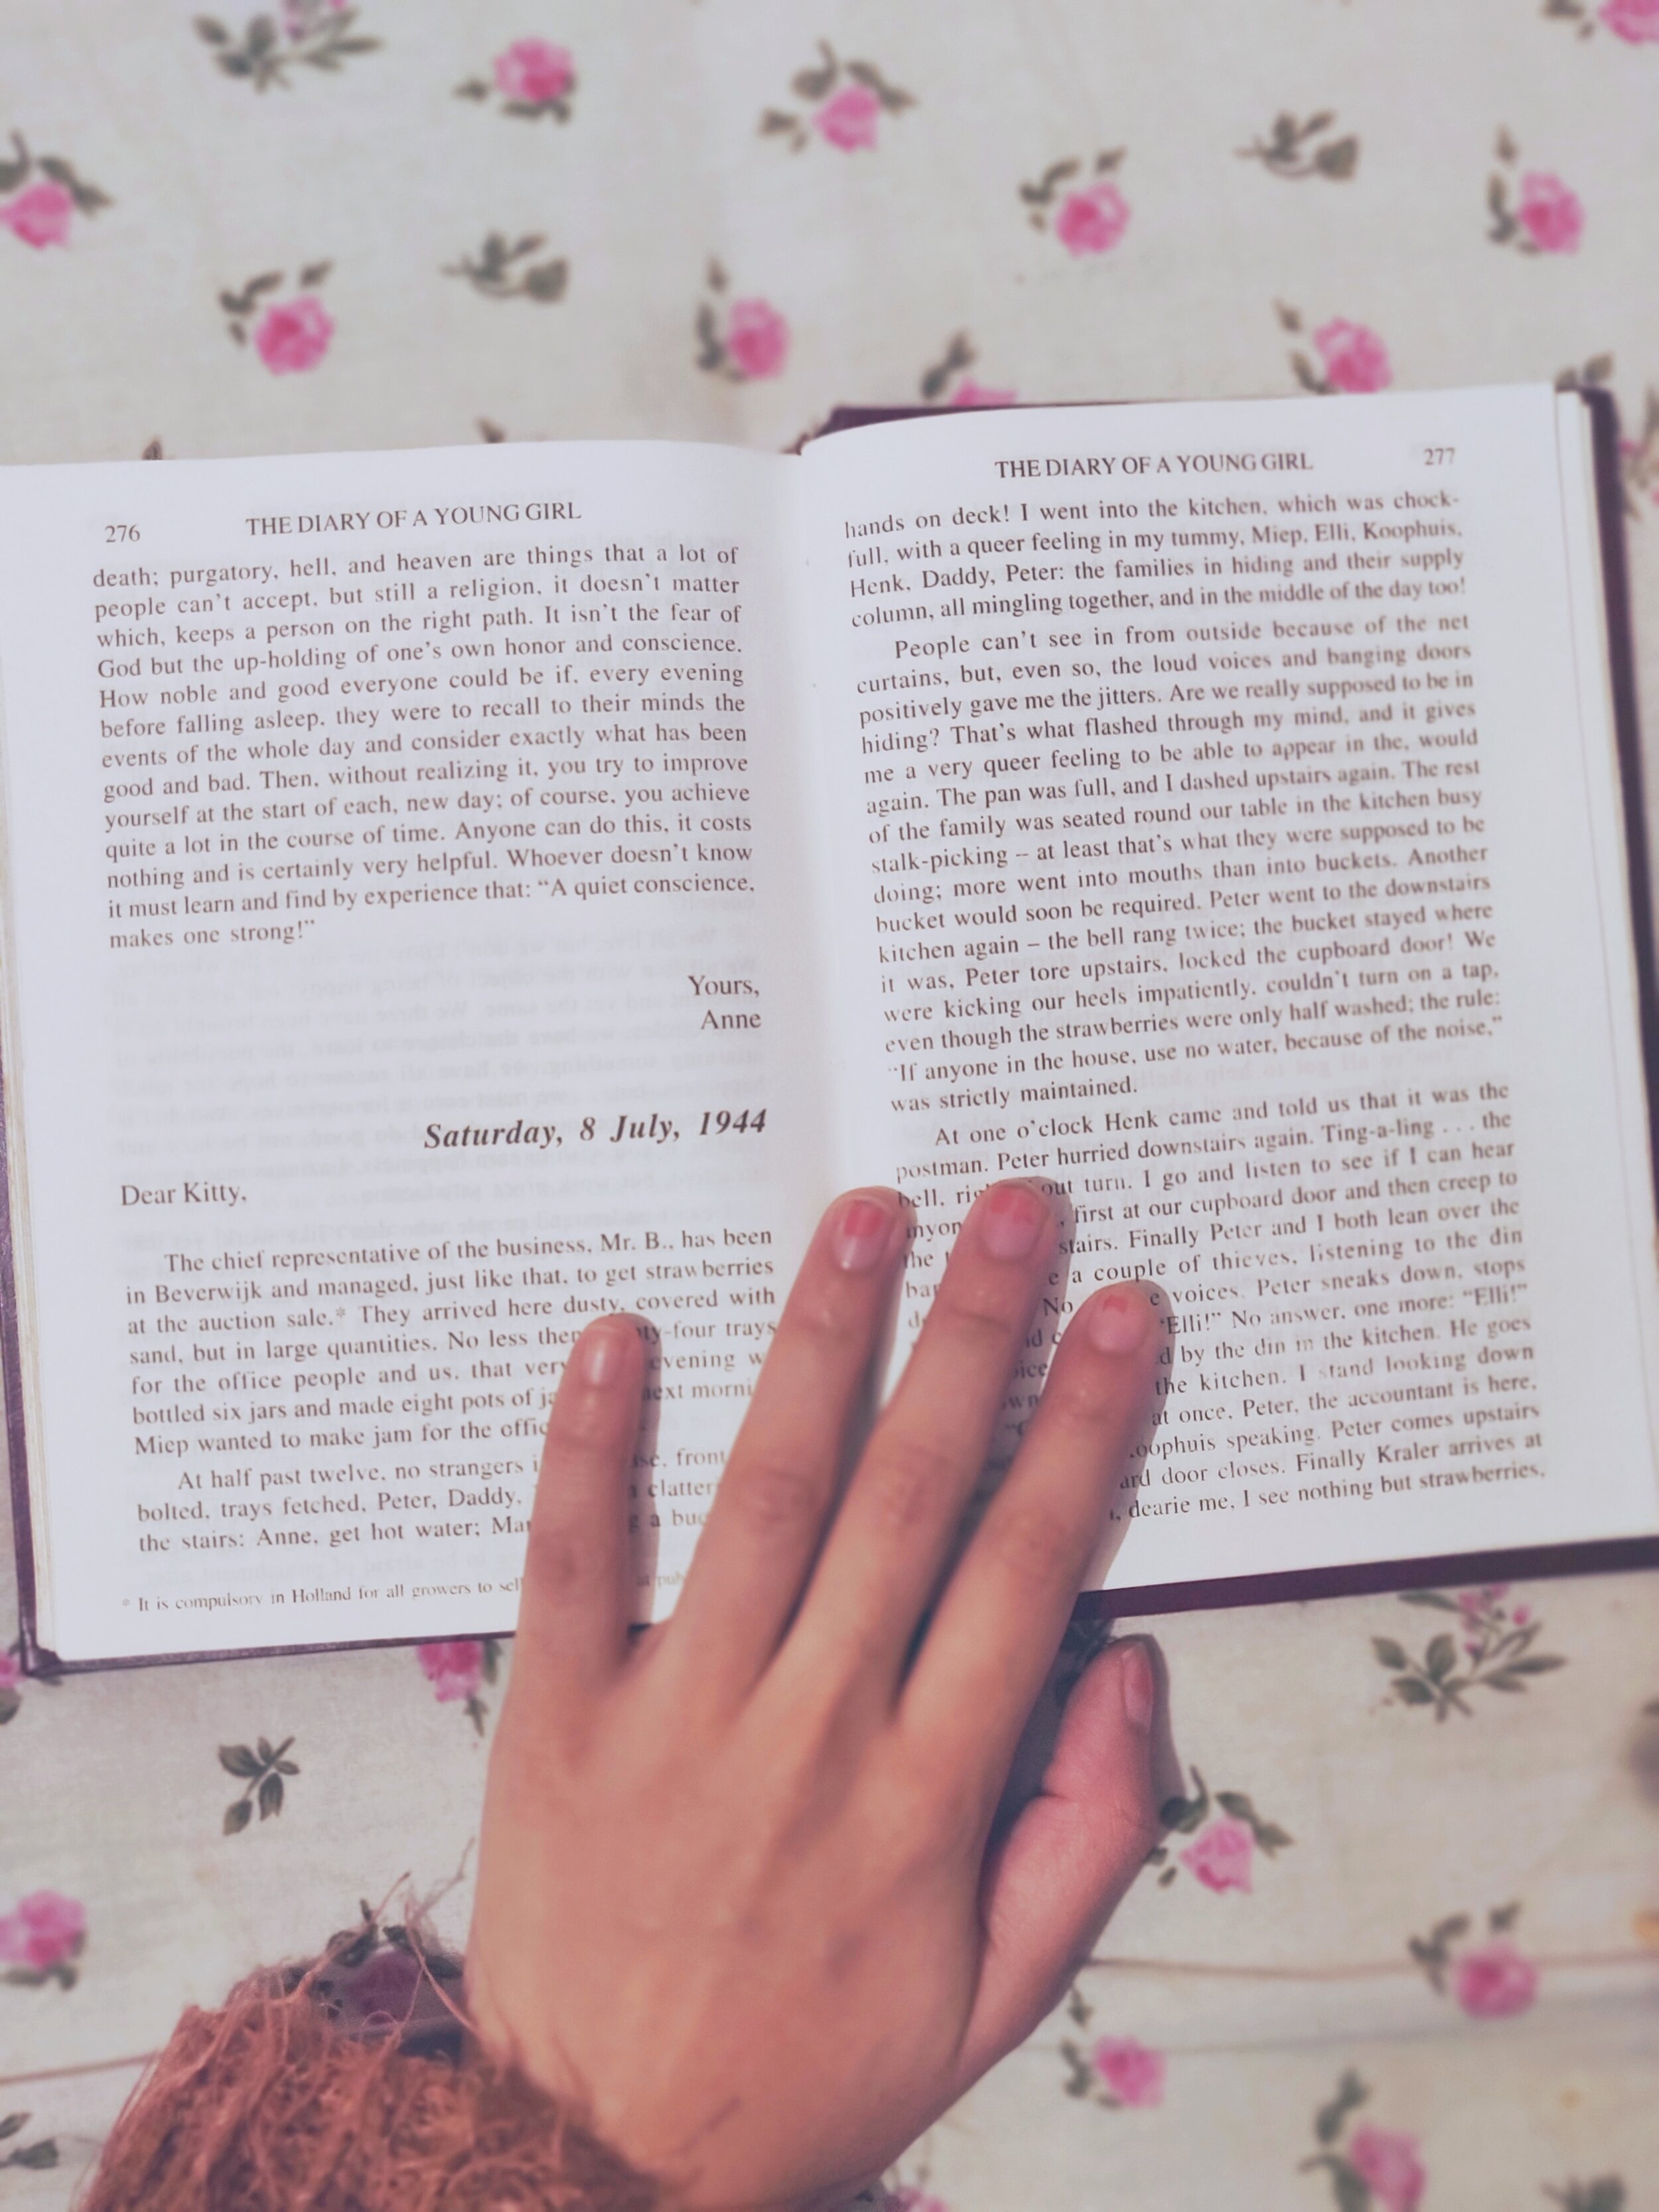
{"x": 1392, "y": 1950}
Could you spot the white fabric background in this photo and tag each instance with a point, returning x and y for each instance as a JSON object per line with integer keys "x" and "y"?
{"x": 111, "y": 1792}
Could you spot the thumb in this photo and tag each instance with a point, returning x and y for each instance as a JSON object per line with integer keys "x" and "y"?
{"x": 1069, "y": 1857}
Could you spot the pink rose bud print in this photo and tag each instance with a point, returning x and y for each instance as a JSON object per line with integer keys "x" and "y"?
{"x": 1221, "y": 1856}
{"x": 1552, "y": 215}
{"x": 294, "y": 334}
{"x": 42, "y": 1930}
{"x": 756, "y": 339}
{"x": 1387, "y": 2163}
{"x": 1133, "y": 2075}
{"x": 970, "y": 394}
{"x": 1092, "y": 221}
{"x": 1494, "y": 1981}
{"x": 455, "y": 1670}
{"x": 40, "y": 215}
{"x": 1356, "y": 359}
{"x": 1638, "y": 20}
{"x": 849, "y": 117}
{"x": 535, "y": 72}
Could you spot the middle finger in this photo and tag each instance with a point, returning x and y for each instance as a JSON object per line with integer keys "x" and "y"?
{"x": 778, "y": 1490}
{"x": 890, "y": 1541}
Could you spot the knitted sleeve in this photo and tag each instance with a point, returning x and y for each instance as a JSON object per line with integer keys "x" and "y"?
{"x": 271, "y": 2105}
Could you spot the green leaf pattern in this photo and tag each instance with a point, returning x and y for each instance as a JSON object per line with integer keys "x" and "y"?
{"x": 265, "y": 1769}
{"x": 1491, "y": 1649}
{"x": 504, "y": 269}
{"x": 1297, "y": 150}
{"x": 318, "y": 37}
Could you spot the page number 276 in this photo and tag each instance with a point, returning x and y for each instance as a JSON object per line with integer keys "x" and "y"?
{"x": 1438, "y": 457}
{"x": 120, "y": 533}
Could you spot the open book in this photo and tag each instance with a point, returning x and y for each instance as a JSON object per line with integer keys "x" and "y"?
{"x": 453, "y": 893}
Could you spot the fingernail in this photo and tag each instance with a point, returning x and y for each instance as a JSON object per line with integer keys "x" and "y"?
{"x": 860, "y": 1236}
{"x": 1117, "y": 1322}
{"x": 1010, "y": 1219}
{"x": 601, "y": 1352}
{"x": 1137, "y": 1685}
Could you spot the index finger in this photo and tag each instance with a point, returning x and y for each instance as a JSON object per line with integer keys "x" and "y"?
{"x": 881, "y": 1559}
{"x": 574, "y": 1602}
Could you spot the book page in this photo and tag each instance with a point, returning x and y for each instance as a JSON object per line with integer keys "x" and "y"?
{"x": 1223, "y": 825}
{"x": 390, "y": 836}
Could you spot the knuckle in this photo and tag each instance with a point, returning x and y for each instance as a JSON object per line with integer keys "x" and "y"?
{"x": 937, "y": 1802}
{"x": 825, "y": 1310}
{"x": 904, "y": 1480}
{"x": 828, "y": 1724}
{"x": 946, "y": 1802}
{"x": 774, "y": 1498}
{"x": 1082, "y": 1397}
{"x": 982, "y": 1317}
{"x": 565, "y": 1561}
{"x": 1033, "y": 1544}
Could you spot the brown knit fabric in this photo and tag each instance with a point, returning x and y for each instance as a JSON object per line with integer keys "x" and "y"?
{"x": 267, "y": 2106}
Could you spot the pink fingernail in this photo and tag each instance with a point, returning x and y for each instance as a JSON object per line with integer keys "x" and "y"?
{"x": 1117, "y": 1322}
{"x": 1008, "y": 1220}
{"x": 860, "y": 1236}
{"x": 1137, "y": 1687}
{"x": 601, "y": 1351}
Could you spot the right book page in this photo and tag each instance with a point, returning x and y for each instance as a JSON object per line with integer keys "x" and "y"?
{"x": 1222, "y": 820}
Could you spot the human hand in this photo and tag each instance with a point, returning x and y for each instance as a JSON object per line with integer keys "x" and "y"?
{"x": 738, "y": 1893}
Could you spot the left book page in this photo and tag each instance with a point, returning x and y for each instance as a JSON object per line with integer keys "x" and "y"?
{"x": 399, "y": 851}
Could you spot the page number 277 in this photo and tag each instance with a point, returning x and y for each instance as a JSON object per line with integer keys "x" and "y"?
{"x": 1438, "y": 457}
